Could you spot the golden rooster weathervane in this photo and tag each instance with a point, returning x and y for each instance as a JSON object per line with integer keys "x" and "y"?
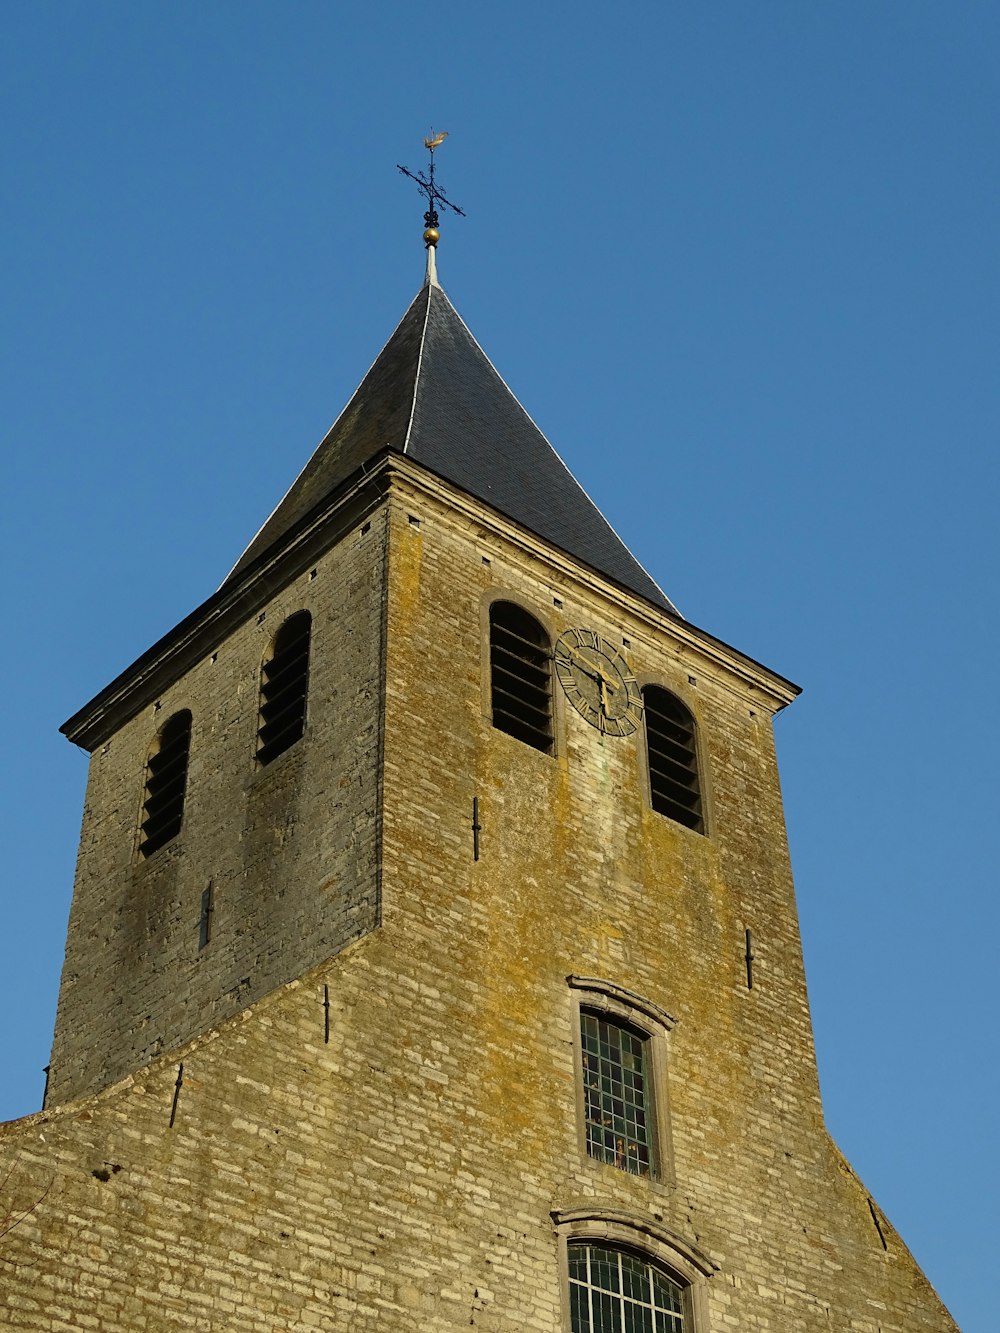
{"x": 435, "y": 195}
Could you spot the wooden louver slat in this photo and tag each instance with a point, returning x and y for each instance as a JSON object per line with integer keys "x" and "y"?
{"x": 674, "y": 786}
{"x": 166, "y": 782}
{"x": 284, "y": 689}
{"x": 520, "y": 676}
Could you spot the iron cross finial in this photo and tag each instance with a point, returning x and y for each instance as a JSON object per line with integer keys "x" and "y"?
{"x": 429, "y": 187}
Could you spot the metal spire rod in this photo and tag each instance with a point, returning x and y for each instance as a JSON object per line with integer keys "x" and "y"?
{"x": 427, "y": 185}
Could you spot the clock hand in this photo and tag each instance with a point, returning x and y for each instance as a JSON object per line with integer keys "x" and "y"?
{"x": 593, "y": 669}
{"x": 586, "y": 667}
{"x": 605, "y": 683}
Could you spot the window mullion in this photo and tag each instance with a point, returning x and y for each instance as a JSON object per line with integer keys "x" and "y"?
{"x": 590, "y": 1289}
{"x": 621, "y": 1291}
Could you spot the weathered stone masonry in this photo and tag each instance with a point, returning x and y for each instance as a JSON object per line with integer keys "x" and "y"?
{"x": 371, "y": 1068}
{"x": 290, "y": 849}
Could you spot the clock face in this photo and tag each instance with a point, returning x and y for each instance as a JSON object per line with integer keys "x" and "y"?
{"x": 598, "y": 682}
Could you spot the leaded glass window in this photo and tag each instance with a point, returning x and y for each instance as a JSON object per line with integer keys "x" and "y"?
{"x": 618, "y": 1291}
{"x": 616, "y": 1093}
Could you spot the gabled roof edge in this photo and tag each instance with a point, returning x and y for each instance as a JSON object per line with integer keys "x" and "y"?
{"x": 548, "y": 442}
{"x": 336, "y": 422}
{"x": 183, "y": 645}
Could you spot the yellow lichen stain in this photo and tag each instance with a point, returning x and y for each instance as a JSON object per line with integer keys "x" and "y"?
{"x": 609, "y": 943}
{"x": 518, "y": 886}
{"x": 406, "y": 564}
{"x": 576, "y": 875}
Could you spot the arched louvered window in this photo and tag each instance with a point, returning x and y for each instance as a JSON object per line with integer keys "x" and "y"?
{"x": 520, "y": 675}
{"x": 674, "y": 788}
{"x": 284, "y": 688}
{"x": 166, "y": 781}
{"x": 616, "y": 1290}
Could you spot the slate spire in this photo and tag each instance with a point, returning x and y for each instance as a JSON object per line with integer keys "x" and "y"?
{"x": 434, "y": 396}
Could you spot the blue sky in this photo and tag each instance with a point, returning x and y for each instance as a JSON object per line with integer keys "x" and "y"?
{"x": 740, "y": 264}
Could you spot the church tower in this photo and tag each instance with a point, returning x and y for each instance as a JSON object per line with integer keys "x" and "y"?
{"x": 433, "y": 960}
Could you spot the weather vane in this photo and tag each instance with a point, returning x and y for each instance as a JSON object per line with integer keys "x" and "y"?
{"x": 428, "y": 186}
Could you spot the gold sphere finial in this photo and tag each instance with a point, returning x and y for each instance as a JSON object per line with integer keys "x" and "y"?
{"x": 431, "y": 236}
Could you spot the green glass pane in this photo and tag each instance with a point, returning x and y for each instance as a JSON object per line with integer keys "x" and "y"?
{"x": 579, "y": 1308}
{"x": 635, "y": 1277}
{"x": 607, "y": 1313}
{"x": 666, "y": 1294}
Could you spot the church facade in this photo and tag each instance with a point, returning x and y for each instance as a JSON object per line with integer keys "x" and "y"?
{"x": 433, "y": 959}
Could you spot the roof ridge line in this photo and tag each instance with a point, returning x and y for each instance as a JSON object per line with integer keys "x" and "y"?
{"x": 429, "y": 288}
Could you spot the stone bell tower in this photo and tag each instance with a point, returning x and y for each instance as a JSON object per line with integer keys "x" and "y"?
{"x": 433, "y": 960}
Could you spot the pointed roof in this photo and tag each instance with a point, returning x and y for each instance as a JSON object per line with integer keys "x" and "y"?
{"x": 433, "y": 395}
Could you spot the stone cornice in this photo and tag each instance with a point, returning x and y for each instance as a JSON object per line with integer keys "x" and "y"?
{"x": 206, "y": 626}
{"x": 752, "y": 674}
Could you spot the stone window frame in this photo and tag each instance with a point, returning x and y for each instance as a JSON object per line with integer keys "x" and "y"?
{"x": 516, "y": 597}
{"x": 700, "y": 756}
{"x": 679, "y": 1257}
{"x": 609, "y": 999}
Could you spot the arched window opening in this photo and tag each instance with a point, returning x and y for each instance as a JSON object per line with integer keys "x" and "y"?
{"x": 674, "y": 789}
{"x": 166, "y": 782}
{"x": 520, "y": 676}
{"x": 284, "y": 688}
{"x": 615, "y": 1290}
{"x": 617, "y": 1093}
